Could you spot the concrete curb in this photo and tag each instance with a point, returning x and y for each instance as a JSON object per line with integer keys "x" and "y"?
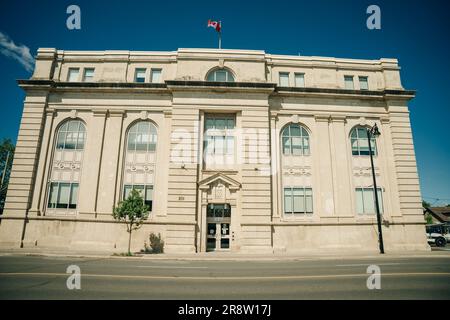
{"x": 227, "y": 257}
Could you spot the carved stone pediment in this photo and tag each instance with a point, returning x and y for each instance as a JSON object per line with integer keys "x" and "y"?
{"x": 219, "y": 179}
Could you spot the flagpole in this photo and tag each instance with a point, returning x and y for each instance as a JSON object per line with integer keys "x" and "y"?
{"x": 220, "y": 35}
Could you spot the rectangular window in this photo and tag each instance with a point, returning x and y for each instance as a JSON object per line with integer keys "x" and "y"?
{"x": 73, "y": 74}
{"x": 298, "y": 200}
{"x": 349, "y": 82}
{"x": 73, "y": 196}
{"x": 284, "y": 79}
{"x": 88, "y": 75}
{"x": 63, "y": 195}
{"x": 146, "y": 192}
{"x": 126, "y": 191}
{"x": 300, "y": 80}
{"x": 287, "y": 200}
{"x": 156, "y": 75}
{"x": 148, "y": 200}
{"x": 219, "y": 139}
{"x": 140, "y": 75}
{"x": 363, "y": 83}
{"x": 365, "y": 201}
{"x": 52, "y": 199}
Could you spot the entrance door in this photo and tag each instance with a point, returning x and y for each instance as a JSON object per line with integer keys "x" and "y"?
{"x": 218, "y": 219}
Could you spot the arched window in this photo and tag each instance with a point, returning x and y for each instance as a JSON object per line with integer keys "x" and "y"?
{"x": 140, "y": 160}
{"x": 360, "y": 143}
{"x": 295, "y": 140}
{"x": 66, "y": 167}
{"x": 220, "y": 75}
{"x": 71, "y": 135}
{"x": 142, "y": 137}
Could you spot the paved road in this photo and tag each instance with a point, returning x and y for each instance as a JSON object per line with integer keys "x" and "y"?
{"x": 37, "y": 277}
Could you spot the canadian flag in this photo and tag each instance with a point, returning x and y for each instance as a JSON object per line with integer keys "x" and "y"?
{"x": 215, "y": 24}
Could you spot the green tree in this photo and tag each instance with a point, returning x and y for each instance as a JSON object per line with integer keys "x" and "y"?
{"x": 133, "y": 212}
{"x": 425, "y": 204}
{"x": 6, "y": 156}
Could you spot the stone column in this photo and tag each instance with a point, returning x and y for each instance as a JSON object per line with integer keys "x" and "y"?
{"x": 203, "y": 203}
{"x": 340, "y": 162}
{"x": 91, "y": 165}
{"x": 109, "y": 164}
{"x": 275, "y": 165}
{"x": 163, "y": 158}
{"x": 326, "y": 195}
{"x": 389, "y": 173}
{"x": 39, "y": 195}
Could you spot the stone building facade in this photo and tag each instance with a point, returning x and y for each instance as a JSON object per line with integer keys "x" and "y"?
{"x": 232, "y": 150}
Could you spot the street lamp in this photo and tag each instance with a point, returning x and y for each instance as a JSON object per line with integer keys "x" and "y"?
{"x": 374, "y": 132}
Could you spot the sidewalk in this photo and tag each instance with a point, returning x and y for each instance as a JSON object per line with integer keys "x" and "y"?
{"x": 223, "y": 256}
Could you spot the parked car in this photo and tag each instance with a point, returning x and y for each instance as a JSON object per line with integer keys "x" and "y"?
{"x": 439, "y": 234}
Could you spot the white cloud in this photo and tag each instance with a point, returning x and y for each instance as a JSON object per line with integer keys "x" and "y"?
{"x": 20, "y": 53}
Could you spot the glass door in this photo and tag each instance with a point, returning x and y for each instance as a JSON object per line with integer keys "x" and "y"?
{"x": 218, "y": 230}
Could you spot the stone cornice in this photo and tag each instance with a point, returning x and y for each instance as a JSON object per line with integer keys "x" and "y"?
{"x": 263, "y": 87}
{"x": 175, "y": 85}
{"x": 336, "y": 92}
{"x": 52, "y": 85}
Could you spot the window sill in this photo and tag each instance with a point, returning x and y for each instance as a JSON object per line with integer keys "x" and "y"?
{"x": 61, "y": 213}
{"x": 296, "y": 155}
{"x": 364, "y": 156}
{"x": 299, "y": 217}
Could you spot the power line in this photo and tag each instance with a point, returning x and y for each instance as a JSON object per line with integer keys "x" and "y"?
{"x": 434, "y": 198}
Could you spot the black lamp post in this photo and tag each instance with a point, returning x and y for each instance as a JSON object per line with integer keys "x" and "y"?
{"x": 374, "y": 132}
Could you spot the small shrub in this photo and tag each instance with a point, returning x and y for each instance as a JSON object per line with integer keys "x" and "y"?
{"x": 428, "y": 218}
{"x": 146, "y": 249}
{"x": 156, "y": 243}
{"x": 123, "y": 254}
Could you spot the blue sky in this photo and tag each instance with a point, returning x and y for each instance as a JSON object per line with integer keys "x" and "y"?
{"x": 415, "y": 32}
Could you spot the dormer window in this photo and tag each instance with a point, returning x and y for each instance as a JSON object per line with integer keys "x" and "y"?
{"x": 220, "y": 75}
